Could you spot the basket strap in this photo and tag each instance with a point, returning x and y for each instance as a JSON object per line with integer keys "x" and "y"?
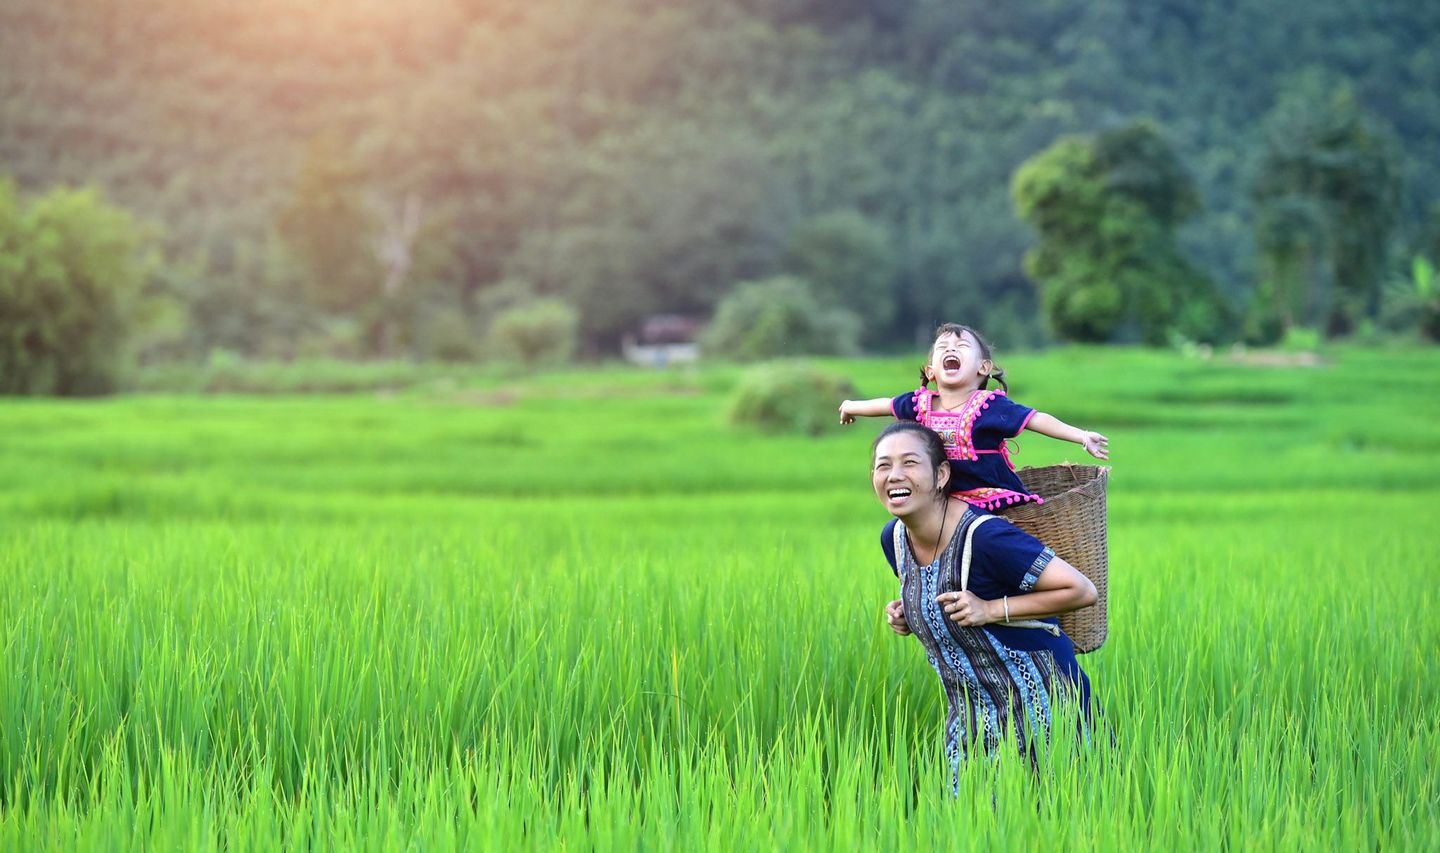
{"x": 1052, "y": 629}
{"x": 902, "y": 557}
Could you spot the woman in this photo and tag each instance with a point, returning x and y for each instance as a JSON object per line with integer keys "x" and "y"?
{"x": 997, "y": 677}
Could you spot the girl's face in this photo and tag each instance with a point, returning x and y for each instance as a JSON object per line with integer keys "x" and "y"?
{"x": 956, "y": 362}
{"x": 903, "y": 474}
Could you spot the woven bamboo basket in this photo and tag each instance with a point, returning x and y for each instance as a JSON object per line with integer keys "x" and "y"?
{"x": 1072, "y": 522}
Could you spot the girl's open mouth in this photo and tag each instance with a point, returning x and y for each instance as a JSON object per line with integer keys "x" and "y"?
{"x": 950, "y": 362}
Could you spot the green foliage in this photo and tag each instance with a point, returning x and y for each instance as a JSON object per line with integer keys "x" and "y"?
{"x": 1422, "y": 273}
{"x": 687, "y": 160}
{"x": 446, "y": 334}
{"x": 536, "y": 334}
{"x": 330, "y": 230}
{"x": 789, "y": 396}
{"x": 73, "y": 275}
{"x": 241, "y": 298}
{"x": 1300, "y": 339}
{"x": 848, "y": 260}
{"x": 1106, "y": 208}
{"x": 1412, "y": 304}
{"x": 1327, "y": 195}
{"x": 493, "y": 300}
{"x": 779, "y": 317}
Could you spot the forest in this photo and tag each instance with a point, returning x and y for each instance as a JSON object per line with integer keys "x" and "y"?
{"x": 359, "y": 178}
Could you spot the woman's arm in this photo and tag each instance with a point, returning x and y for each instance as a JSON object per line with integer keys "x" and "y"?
{"x": 876, "y": 408}
{"x": 1059, "y": 589}
{"x": 1094, "y": 443}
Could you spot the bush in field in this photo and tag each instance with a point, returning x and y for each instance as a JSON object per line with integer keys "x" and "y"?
{"x": 778, "y": 317}
{"x": 789, "y": 397}
{"x": 535, "y": 333}
{"x": 72, "y": 273}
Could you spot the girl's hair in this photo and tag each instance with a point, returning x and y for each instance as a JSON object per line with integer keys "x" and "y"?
{"x": 934, "y": 445}
{"x": 996, "y": 372}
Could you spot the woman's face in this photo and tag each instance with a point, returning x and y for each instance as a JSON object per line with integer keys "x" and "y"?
{"x": 903, "y": 474}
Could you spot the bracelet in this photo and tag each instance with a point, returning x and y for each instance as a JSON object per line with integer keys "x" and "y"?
{"x": 1005, "y": 600}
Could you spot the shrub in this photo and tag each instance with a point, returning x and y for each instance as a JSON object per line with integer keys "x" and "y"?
{"x": 1413, "y": 304}
{"x": 72, "y": 276}
{"x": 535, "y": 333}
{"x": 789, "y": 397}
{"x": 779, "y": 317}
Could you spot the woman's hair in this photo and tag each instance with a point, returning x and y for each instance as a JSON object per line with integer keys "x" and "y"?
{"x": 934, "y": 445}
{"x": 996, "y": 372}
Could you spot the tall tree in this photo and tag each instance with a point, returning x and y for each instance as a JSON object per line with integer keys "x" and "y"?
{"x": 331, "y": 230}
{"x": 1106, "y": 208}
{"x": 1327, "y": 196}
{"x": 849, "y": 261}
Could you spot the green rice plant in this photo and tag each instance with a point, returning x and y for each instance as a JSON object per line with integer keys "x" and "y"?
{"x": 440, "y": 621}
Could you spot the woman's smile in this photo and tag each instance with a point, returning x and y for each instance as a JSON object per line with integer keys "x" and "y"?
{"x": 897, "y": 496}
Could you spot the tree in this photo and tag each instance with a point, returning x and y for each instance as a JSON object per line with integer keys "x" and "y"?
{"x": 73, "y": 272}
{"x": 848, "y": 260}
{"x": 1106, "y": 208}
{"x": 1327, "y": 196}
{"x": 1293, "y": 286}
{"x": 331, "y": 231}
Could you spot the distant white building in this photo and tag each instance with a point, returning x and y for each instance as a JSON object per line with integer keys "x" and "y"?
{"x": 664, "y": 340}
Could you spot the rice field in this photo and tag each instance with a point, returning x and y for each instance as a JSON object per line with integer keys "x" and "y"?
{"x": 582, "y": 611}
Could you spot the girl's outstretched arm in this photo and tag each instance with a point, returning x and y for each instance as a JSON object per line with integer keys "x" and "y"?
{"x": 876, "y": 408}
{"x": 1094, "y": 443}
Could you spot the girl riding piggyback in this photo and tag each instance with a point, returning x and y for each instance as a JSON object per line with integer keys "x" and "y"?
{"x": 973, "y": 422}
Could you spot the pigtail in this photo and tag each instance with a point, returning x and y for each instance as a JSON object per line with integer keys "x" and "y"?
{"x": 924, "y": 379}
{"x": 997, "y": 374}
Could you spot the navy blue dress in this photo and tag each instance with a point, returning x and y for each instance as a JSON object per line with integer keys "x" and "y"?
{"x": 996, "y": 678}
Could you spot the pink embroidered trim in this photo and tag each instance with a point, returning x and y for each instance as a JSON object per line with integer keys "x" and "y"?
{"x": 1025, "y": 422}
{"x": 992, "y": 498}
{"x": 957, "y": 428}
{"x": 969, "y": 413}
{"x": 922, "y": 404}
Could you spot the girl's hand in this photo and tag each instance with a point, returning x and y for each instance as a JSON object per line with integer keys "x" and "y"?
{"x": 895, "y": 615}
{"x": 966, "y": 608}
{"x": 1096, "y": 445}
{"x": 845, "y": 417}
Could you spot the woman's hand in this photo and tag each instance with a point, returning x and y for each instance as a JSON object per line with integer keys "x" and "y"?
{"x": 966, "y": 608}
{"x": 895, "y": 615}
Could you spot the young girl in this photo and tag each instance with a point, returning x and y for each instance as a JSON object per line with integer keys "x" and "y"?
{"x": 973, "y": 422}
